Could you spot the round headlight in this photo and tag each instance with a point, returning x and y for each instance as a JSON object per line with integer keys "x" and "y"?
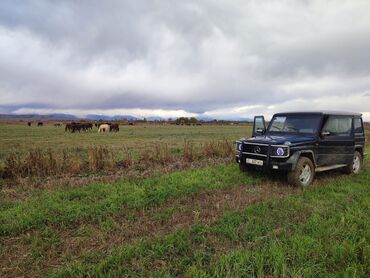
{"x": 280, "y": 151}
{"x": 240, "y": 147}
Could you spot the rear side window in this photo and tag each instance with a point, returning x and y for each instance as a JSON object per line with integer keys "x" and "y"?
{"x": 339, "y": 126}
{"x": 358, "y": 126}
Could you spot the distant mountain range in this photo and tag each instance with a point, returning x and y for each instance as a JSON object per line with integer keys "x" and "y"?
{"x": 61, "y": 115}
{"x": 96, "y": 117}
{"x": 111, "y": 118}
{"x": 36, "y": 117}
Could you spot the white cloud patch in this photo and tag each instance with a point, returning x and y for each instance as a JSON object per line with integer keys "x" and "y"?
{"x": 211, "y": 58}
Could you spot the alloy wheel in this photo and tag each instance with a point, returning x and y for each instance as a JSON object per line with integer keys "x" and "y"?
{"x": 305, "y": 175}
{"x": 356, "y": 164}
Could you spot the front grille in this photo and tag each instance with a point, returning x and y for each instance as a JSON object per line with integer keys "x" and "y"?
{"x": 256, "y": 149}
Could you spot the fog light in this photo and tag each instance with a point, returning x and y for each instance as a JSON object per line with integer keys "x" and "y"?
{"x": 275, "y": 167}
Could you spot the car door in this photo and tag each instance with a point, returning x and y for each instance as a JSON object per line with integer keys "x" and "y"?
{"x": 336, "y": 143}
{"x": 359, "y": 134}
{"x": 259, "y": 126}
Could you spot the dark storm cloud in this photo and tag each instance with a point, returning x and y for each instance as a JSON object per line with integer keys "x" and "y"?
{"x": 197, "y": 56}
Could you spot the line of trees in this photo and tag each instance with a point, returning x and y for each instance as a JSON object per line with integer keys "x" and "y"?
{"x": 184, "y": 120}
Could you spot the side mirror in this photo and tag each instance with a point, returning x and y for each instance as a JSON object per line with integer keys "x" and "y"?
{"x": 325, "y": 133}
{"x": 259, "y": 126}
{"x": 260, "y": 130}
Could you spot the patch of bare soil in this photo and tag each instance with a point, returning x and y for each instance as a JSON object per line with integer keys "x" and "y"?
{"x": 34, "y": 253}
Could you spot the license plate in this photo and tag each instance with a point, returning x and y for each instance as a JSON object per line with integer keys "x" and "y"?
{"x": 254, "y": 161}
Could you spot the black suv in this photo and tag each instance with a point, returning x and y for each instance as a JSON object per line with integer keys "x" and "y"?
{"x": 302, "y": 143}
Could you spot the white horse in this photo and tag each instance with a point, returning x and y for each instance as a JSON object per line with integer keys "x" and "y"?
{"x": 104, "y": 128}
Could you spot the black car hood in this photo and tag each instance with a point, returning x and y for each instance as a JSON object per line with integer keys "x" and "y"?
{"x": 282, "y": 139}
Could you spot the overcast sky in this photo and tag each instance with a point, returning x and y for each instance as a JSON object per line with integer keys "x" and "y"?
{"x": 169, "y": 58}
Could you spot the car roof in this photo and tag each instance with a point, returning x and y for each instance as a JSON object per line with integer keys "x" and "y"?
{"x": 323, "y": 112}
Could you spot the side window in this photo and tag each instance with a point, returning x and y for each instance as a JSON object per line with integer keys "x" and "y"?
{"x": 259, "y": 125}
{"x": 358, "y": 126}
{"x": 339, "y": 126}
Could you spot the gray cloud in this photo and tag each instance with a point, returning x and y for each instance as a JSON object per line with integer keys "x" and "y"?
{"x": 198, "y": 56}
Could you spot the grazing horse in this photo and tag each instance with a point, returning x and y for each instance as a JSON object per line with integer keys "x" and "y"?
{"x": 114, "y": 127}
{"x": 72, "y": 127}
{"x": 40, "y": 124}
{"x": 29, "y": 123}
{"x": 104, "y": 128}
{"x": 88, "y": 126}
{"x": 57, "y": 124}
{"x": 68, "y": 127}
{"x": 77, "y": 127}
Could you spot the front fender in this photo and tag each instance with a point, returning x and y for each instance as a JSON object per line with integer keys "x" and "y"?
{"x": 297, "y": 154}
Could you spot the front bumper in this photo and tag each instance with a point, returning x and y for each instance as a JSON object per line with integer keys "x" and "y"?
{"x": 268, "y": 162}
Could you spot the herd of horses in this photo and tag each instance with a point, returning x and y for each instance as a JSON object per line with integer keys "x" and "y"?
{"x": 102, "y": 127}
{"x": 73, "y": 127}
{"x": 78, "y": 127}
{"x": 38, "y": 124}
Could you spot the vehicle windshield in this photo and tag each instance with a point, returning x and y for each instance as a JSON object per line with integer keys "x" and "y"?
{"x": 294, "y": 124}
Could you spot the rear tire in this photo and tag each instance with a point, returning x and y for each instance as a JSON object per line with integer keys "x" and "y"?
{"x": 303, "y": 174}
{"x": 355, "y": 166}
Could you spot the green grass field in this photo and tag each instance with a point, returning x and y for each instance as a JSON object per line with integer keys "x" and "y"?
{"x": 20, "y": 138}
{"x": 320, "y": 232}
{"x": 206, "y": 220}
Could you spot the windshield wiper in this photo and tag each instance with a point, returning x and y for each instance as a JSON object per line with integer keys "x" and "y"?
{"x": 275, "y": 126}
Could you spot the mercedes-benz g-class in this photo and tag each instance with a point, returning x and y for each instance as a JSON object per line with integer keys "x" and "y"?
{"x": 303, "y": 143}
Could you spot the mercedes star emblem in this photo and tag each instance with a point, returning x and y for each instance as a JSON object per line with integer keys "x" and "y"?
{"x": 257, "y": 149}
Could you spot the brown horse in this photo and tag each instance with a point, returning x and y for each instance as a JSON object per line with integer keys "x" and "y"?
{"x": 114, "y": 127}
{"x": 68, "y": 127}
{"x": 40, "y": 124}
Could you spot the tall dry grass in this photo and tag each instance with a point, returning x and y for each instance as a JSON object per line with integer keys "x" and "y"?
{"x": 101, "y": 158}
{"x": 41, "y": 163}
{"x": 189, "y": 154}
{"x": 159, "y": 154}
{"x": 68, "y": 162}
{"x": 217, "y": 149}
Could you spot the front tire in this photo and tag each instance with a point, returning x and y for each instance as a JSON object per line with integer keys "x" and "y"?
{"x": 355, "y": 166}
{"x": 303, "y": 174}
